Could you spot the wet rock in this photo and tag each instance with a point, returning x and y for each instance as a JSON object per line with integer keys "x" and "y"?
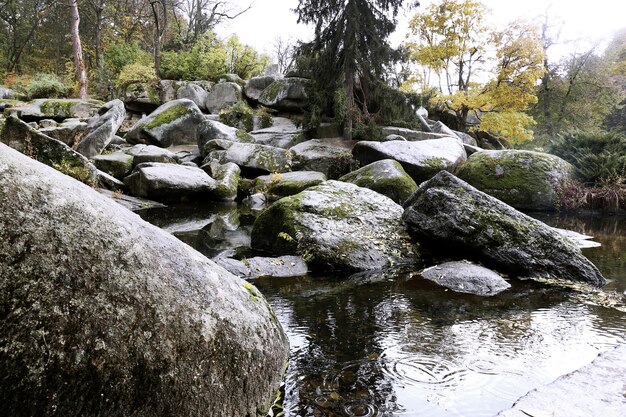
{"x": 117, "y": 164}
{"x": 130, "y": 202}
{"x": 57, "y": 109}
{"x": 222, "y": 95}
{"x": 23, "y": 138}
{"x": 276, "y": 186}
{"x": 421, "y": 160}
{"x": 466, "y": 278}
{"x": 256, "y": 201}
{"x": 250, "y": 157}
{"x": 227, "y": 178}
{"x": 449, "y": 214}
{"x": 101, "y": 129}
{"x": 211, "y": 129}
{"x": 570, "y": 395}
{"x": 97, "y": 321}
{"x": 321, "y": 156}
{"x": 386, "y": 177}
{"x": 525, "y": 180}
{"x": 169, "y": 182}
{"x": 286, "y": 94}
{"x": 335, "y": 225}
{"x": 259, "y": 267}
{"x": 150, "y": 153}
{"x": 174, "y": 123}
{"x": 255, "y": 86}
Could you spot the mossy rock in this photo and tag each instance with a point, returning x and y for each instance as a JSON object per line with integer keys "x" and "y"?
{"x": 337, "y": 226}
{"x": 323, "y": 156}
{"x": 525, "y": 180}
{"x": 286, "y": 94}
{"x": 57, "y": 109}
{"x": 253, "y": 159}
{"x": 117, "y": 164}
{"x": 278, "y": 185}
{"x": 23, "y": 138}
{"x": 386, "y": 177}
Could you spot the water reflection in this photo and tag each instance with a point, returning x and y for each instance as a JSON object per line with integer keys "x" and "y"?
{"x": 392, "y": 344}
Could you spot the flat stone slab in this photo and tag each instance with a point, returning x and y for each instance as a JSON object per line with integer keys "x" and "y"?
{"x": 466, "y": 278}
{"x": 598, "y": 389}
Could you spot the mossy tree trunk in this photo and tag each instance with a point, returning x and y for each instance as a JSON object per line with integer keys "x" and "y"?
{"x": 79, "y": 64}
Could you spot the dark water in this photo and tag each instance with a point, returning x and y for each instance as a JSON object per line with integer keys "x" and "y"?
{"x": 393, "y": 344}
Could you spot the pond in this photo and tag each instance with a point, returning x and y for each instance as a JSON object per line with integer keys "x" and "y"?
{"x": 392, "y": 344}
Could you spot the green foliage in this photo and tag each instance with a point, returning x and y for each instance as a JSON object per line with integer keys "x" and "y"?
{"x": 135, "y": 73}
{"x": 120, "y": 55}
{"x": 46, "y": 86}
{"x": 367, "y": 131}
{"x": 598, "y": 158}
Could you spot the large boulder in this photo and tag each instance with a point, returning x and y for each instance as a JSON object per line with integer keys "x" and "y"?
{"x": 411, "y": 135}
{"x": 174, "y": 123}
{"x": 386, "y": 177}
{"x": 286, "y": 94}
{"x": 255, "y": 86}
{"x": 168, "y": 182}
{"x": 259, "y": 267}
{"x": 276, "y": 186}
{"x": 448, "y": 213}
{"x": 335, "y": 225}
{"x": 195, "y": 93}
{"x": 70, "y": 131}
{"x": 57, "y": 109}
{"x": 282, "y": 134}
{"x": 23, "y": 138}
{"x": 421, "y": 160}
{"x": 211, "y": 129}
{"x": 104, "y": 314}
{"x": 251, "y": 158}
{"x": 525, "y": 180}
{"x": 150, "y": 153}
{"x": 100, "y": 130}
{"x": 466, "y": 278}
{"x": 222, "y": 95}
{"x": 227, "y": 180}
{"x": 116, "y": 164}
{"x": 323, "y": 156}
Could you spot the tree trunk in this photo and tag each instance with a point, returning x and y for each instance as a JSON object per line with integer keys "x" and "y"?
{"x": 81, "y": 74}
{"x": 160, "y": 23}
{"x": 349, "y": 89}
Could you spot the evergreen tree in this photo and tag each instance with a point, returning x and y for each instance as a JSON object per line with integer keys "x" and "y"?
{"x": 349, "y": 53}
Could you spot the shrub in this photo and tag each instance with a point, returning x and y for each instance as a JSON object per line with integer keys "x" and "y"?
{"x": 598, "y": 158}
{"x": 367, "y": 131}
{"x": 135, "y": 74}
{"x": 240, "y": 115}
{"x": 46, "y": 86}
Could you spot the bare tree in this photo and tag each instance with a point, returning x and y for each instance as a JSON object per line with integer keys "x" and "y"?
{"x": 284, "y": 53}
{"x": 79, "y": 64}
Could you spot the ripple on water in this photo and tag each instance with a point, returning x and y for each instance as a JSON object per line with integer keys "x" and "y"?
{"x": 425, "y": 371}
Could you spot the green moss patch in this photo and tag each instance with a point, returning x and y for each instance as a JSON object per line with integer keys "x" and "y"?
{"x": 168, "y": 116}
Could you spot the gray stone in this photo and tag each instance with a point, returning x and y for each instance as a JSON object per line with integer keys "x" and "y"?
{"x": 466, "y": 278}
{"x": 411, "y": 135}
{"x": 109, "y": 182}
{"x": 101, "y": 129}
{"x": 337, "y": 226}
{"x": 68, "y": 132}
{"x": 276, "y": 186}
{"x": 222, "y": 95}
{"x": 251, "y": 158}
{"x": 323, "y": 156}
{"x": 231, "y": 78}
{"x": 421, "y": 160}
{"x": 227, "y": 177}
{"x": 57, "y": 109}
{"x": 151, "y": 153}
{"x": 255, "y": 86}
{"x": 142, "y": 98}
{"x": 195, "y": 93}
{"x": 7, "y": 93}
{"x": 255, "y": 202}
{"x": 168, "y": 182}
{"x": 286, "y": 94}
{"x": 47, "y": 123}
{"x": 282, "y": 134}
{"x": 168, "y": 89}
{"x": 525, "y": 180}
{"x": 117, "y": 164}
{"x": 259, "y": 267}
{"x": 389, "y": 138}
{"x": 129, "y": 202}
{"x": 211, "y": 129}
{"x": 386, "y": 177}
{"x": 23, "y": 138}
{"x": 448, "y": 213}
{"x": 174, "y": 123}
{"x": 594, "y": 390}
{"x": 105, "y": 314}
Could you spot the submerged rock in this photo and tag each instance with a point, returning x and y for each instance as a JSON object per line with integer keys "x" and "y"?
{"x": 167, "y": 182}
{"x": 525, "y": 180}
{"x": 174, "y": 123}
{"x": 335, "y": 225}
{"x": 421, "y": 160}
{"x": 466, "y": 278}
{"x": 23, "y": 138}
{"x": 386, "y": 177}
{"x": 104, "y": 314}
{"x": 448, "y": 213}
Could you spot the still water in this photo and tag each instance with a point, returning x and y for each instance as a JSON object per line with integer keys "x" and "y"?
{"x": 392, "y": 344}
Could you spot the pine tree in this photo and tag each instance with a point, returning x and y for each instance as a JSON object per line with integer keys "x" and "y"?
{"x": 349, "y": 52}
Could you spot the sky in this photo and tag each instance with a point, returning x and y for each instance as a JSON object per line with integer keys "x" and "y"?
{"x": 583, "y": 22}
